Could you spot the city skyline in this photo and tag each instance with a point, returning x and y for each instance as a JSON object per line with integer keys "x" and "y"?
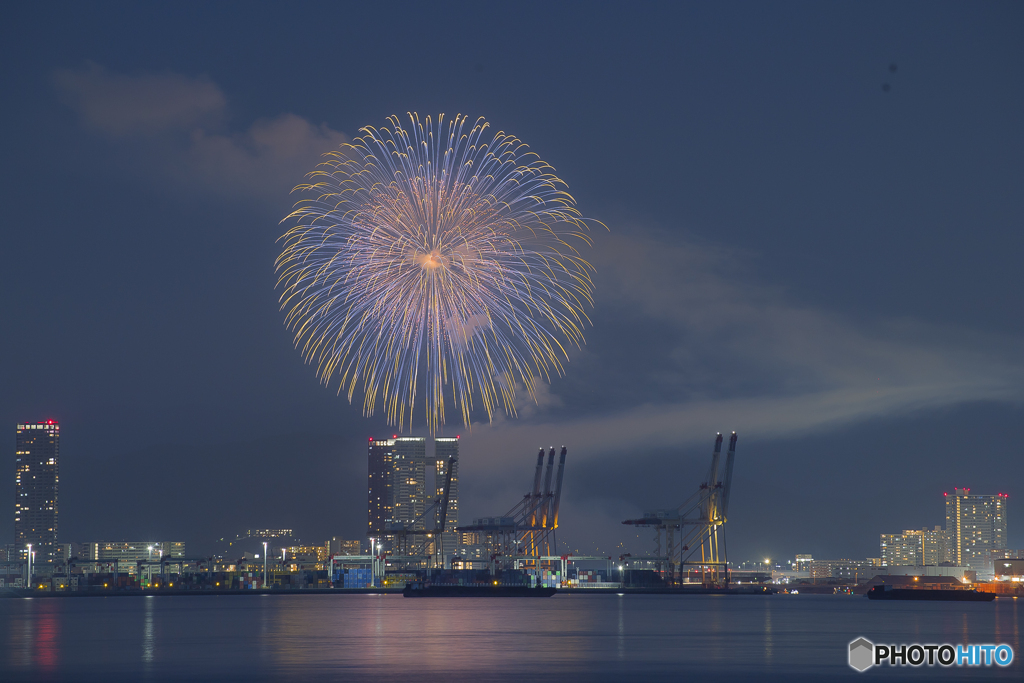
{"x": 974, "y": 537}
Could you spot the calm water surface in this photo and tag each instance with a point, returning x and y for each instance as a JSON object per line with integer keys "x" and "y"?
{"x": 566, "y": 637}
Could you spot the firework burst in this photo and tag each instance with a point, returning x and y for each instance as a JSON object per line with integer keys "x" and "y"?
{"x": 435, "y": 250}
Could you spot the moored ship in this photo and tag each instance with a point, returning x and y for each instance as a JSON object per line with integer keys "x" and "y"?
{"x": 422, "y": 589}
{"x": 886, "y": 592}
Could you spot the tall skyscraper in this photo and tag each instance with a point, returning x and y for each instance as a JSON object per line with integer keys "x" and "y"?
{"x": 381, "y": 510}
{"x": 445, "y": 448}
{"x": 975, "y": 526}
{"x": 397, "y": 490}
{"x": 36, "y": 460}
{"x": 409, "y": 482}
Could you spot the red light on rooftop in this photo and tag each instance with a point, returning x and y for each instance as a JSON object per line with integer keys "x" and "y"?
{"x": 394, "y": 436}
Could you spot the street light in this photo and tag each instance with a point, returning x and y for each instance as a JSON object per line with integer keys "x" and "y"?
{"x": 373, "y": 563}
{"x": 264, "y": 564}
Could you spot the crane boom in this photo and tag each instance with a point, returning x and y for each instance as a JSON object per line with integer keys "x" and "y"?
{"x": 544, "y": 503}
{"x": 535, "y": 498}
{"x": 727, "y": 487}
{"x": 712, "y": 508}
{"x": 558, "y": 487}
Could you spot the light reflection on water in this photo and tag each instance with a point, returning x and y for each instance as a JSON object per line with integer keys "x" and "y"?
{"x": 567, "y": 637}
{"x": 147, "y": 635}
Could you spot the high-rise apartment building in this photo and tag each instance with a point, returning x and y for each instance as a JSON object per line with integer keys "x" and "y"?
{"x": 934, "y": 546}
{"x": 975, "y": 526}
{"x": 914, "y": 547}
{"x": 36, "y": 479}
{"x": 397, "y": 478}
{"x": 397, "y": 489}
{"x": 381, "y": 510}
{"x": 901, "y": 549}
{"x": 446, "y": 448}
{"x": 409, "y": 482}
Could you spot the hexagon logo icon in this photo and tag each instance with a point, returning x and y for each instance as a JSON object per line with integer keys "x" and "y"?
{"x": 862, "y": 653}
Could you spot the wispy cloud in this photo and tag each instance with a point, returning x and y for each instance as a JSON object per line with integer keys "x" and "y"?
{"x": 183, "y": 123}
{"x": 780, "y": 369}
{"x": 271, "y": 157}
{"x": 120, "y": 105}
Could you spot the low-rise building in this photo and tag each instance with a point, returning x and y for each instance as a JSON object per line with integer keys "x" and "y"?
{"x": 306, "y": 557}
{"x": 844, "y": 570}
{"x": 1009, "y": 569}
{"x": 339, "y": 546}
{"x": 127, "y": 554}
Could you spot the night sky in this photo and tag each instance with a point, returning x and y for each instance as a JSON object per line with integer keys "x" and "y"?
{"x": 815, "y": 216}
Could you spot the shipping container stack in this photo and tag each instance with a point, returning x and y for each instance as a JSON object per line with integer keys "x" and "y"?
{"x": 548, "y": 579}
{"x": 592, "y": 578}
{"x": 355, "y": 577}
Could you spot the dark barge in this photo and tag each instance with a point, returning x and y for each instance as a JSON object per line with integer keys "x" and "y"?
{"x": 419, "y": 589}
{"x": 885, "y": 592}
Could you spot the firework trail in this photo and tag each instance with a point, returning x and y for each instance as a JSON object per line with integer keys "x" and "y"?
{"x": 434, "y": 249}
